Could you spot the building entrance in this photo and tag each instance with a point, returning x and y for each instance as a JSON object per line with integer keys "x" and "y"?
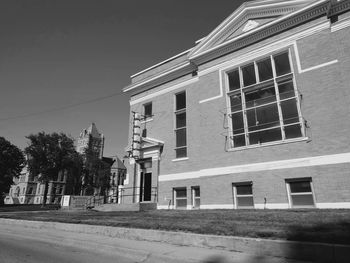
{"x": 146, "y": 181}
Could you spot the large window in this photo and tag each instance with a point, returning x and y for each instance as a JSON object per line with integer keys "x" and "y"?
{"x": 180, "y": 198}
{"x": 180, "y": 125}
{"x": 263, "y": 102}
{"x": 300, "y": 192}
{"x": 243, "y": 194}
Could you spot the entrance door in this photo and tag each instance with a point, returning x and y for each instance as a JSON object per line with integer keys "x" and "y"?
{"x": 147, "y": 187}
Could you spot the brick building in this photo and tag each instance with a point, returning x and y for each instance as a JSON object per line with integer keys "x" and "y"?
{"x": 255, "y": 115}
{"x": 26, "y": 189}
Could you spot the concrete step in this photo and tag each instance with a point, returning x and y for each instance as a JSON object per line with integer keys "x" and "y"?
{"x": 126, "y": 207}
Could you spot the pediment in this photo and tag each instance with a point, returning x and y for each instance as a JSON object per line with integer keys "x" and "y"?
{"x": 147, "y": 142}
{"x": 247, "y": 18}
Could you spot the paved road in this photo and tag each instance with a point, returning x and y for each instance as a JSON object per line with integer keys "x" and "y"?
{"x": 21, "y": 244}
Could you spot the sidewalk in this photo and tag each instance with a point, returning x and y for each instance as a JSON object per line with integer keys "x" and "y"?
{"x": 256, "y": 248}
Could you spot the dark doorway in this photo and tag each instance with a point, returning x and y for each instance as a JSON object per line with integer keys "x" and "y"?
{"x": 146, "y": 187}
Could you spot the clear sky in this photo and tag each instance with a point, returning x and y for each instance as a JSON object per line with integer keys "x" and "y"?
{"x": 56, "y": 53}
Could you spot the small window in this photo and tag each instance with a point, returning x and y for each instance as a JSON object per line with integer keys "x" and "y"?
{"x": 181, "y": 101}
{"x": 243, "y": 193}
{"x": 300, "y": 193}
{"x": 180, "y": 197}
{"x": 196, "y": 197}
{"x": 147, "y": 111}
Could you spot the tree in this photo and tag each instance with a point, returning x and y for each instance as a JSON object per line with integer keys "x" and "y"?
{"x": 49, "y": 154}
{"x": 11, "y": 164}
{"x": 92, "y": 172}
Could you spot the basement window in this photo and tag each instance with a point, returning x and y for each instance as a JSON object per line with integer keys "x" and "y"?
{"x": 243, "y": 195}
{"x": 180, "y": 198}
{"x": 196, "y": 197}
{"x": 300, "y": 193}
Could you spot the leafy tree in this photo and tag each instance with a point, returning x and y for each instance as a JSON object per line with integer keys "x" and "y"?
{"x": 92, "y": 172}
{"x": 11, "y": 164}
{"x": 49, "y": 154}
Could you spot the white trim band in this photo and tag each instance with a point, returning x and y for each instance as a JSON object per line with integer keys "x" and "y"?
{"x": 164, "y": 91}
{"x": 255, "y": 167}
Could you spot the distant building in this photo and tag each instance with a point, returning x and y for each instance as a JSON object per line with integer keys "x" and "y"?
{"x": 28, "y": 190}
{"x": 254, "y": 115}
{"x": 116, "y": 181}
{"x": 91, "y": 138}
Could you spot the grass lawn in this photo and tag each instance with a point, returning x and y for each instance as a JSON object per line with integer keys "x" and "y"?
{"x": 329, "y": 226}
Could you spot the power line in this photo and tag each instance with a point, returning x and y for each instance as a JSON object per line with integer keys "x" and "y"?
{"x": 62, "y": 108}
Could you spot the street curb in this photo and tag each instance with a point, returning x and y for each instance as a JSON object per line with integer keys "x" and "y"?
{"x": 318, "y": 252}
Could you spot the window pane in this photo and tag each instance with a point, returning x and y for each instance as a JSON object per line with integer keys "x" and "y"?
{"x": 249, "y": 75}
{"x": 181, "y": 120}
{"x": 260, "y": 97}
{"x": 286, "y": 90}
{"x": 148, "y": 110}
{"x": 181, "y": 101}
{"x": 290, "y": 111}
{"x": 180, "y": 153}
{"x": 282, "y": 64}
{"x": 237, "y": 123}
{"x": 265, "y": 136}
{"x": 244, "y": 189}
{"x": 181, "y": 137}
{"x": 300, "y": 187}
{"x": 182, "y": 203}
{"x": 239, "y": 141}
{"x": 263, "y": 117}
{"x": 181, "y": 192}
{"x": 245, "y": 202}
{"x": 236, "y": 103}
{"x": 302, "y": 200}
{"x": 197, "y": 192}
{"x": 233, "y": 79}
{"x": 293, "y": 131}
{"x": 265, "y": 69}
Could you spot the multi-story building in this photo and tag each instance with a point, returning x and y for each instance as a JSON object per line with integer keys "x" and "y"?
{"x": 26, "y": 189}
{"x": 255, "y": 115}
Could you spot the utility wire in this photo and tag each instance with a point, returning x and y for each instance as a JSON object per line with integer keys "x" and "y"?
{"x": 62, "y": 108}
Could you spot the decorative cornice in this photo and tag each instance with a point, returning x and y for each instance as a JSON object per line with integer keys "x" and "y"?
{"x": 284, "y": 25}
{"x": 260, "y": 14}
{"x": 338, "y": 8}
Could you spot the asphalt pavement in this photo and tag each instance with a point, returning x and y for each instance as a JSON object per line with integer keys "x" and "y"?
{"x": 30, "y": 245}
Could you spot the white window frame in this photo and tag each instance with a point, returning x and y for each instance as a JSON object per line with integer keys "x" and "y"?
{"x": 290, "y": 194}
{"x": 177, "y": 112}
{"x": 278, "y": 100}
{"x": 179, "y": 198}
{"x": 194, "y": 197}
{"x": 236, "y": 196}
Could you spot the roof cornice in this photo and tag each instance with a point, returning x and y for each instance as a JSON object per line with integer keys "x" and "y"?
{"x": 338, "y": 7}
{"x": 266, "y": 31}
{"x": 164, "y": 77}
